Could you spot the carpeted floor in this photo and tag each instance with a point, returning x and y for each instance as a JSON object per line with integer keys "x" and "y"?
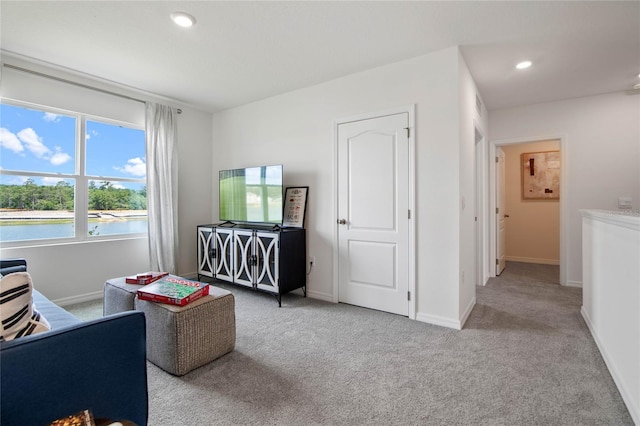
{"x": 524, "y": 357}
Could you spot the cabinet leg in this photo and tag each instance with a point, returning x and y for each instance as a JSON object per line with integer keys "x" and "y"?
{"x": 278, "y": 297}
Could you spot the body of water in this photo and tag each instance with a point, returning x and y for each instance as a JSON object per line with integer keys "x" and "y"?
{"x": 39, "y": 231}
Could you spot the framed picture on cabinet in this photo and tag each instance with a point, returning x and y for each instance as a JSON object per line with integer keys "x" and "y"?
{"x": 295, "y": 206}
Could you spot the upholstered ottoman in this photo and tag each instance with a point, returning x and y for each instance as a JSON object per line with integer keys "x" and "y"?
{"x": 118, "y": 296}
{"x": 182, "y": 338}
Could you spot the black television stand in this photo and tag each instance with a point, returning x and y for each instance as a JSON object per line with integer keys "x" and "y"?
{"x": 227, "y": 224}
{"x": 264, "y": 257}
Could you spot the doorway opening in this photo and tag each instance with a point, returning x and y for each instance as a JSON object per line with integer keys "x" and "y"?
{"x": 531, "y": 227}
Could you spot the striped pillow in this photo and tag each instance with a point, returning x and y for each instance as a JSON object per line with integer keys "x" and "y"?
{"x": 18, "y": 315}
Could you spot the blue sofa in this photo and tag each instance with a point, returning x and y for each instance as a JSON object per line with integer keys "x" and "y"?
{"x": 98, "y": 365}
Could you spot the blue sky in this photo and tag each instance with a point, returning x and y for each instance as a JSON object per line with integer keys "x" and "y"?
{"x": 39, "y": 141}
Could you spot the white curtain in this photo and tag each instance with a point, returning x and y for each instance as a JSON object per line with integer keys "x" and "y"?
{"x": 162, "y": 186}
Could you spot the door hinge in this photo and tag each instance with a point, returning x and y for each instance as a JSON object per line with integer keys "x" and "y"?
{"x": 497, "y": 210}
{"x": 497, "y": 159}
{"x": 497, "y": 262}
{"x": 475, "y": 218}
{"x": 408, "y": 131}
{"x": 409, "y": 296}
{"x": 408, "y": 214}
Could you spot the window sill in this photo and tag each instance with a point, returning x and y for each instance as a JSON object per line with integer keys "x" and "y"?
{"x": 70, "y": 241}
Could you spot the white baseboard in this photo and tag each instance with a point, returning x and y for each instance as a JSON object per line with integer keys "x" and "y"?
{"x": 634, "y": 411}
{"x": 467, "y": 312}
{"x": 319, "y": 295}
{"x": 485, "y": 279}
{"x": 448, "y": 322}
{"x": 577, "y": 284}
{"x": 532, "y": 260}
{"x": 72, "y": 300}
{"x": 438, "y": 320}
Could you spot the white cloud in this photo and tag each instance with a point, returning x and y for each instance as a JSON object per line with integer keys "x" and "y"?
{"x": 51, "y": 117}
{"x": 59, "y": 157}
{"x": 51, "y": 181}
{"x": 17, "y": 180}
{"x": 10, "y": 141}
{"x": 90, "y": 134}
{"x": 33, "y": 142}
{"x": 29, "y": 139}
{"x": 134, "y": 167}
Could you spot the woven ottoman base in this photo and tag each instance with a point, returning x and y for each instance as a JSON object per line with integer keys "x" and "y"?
{"x": 119, "y": 296}
{"x": 182, "y": 338}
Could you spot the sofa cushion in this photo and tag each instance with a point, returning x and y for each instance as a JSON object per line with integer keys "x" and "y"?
{"x": 18, "y": 317}
{"x": 9, "y": 266}
{"x": 55, "y": 315}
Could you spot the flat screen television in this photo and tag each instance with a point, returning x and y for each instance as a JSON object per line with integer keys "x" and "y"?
{"x": 251, "y": 195}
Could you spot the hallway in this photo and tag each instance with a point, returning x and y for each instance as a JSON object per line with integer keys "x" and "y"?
{"x": 530, "y": 273}
{"x": 540, "y": 350}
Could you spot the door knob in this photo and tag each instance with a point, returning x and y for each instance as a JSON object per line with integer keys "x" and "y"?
{"x": 342, "y": 221}
{"x": 506, "y": 215}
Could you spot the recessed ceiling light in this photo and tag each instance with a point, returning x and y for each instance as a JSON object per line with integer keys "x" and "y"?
{"x": 523, "y": 65}
{"x": 183, "y": 19}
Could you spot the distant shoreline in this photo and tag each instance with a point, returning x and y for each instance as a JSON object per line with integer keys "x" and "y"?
{"x": 102, "y": 215}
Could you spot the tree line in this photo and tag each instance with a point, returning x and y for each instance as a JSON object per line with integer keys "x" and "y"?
{"x": 60, "y": 196}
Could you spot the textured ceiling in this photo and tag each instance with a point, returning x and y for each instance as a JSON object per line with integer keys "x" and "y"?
{"x": 242, "y": 51}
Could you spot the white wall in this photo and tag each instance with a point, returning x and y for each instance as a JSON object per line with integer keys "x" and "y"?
{"x": 195, "y": 183}
{"x": 73, "y": 272}
{"x": 601, "y": 149}
{"x": 470, "y": 121}
{"x": 296, "y": 129}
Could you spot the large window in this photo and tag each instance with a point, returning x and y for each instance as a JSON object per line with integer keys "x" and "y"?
{"x": 69, "y": 176}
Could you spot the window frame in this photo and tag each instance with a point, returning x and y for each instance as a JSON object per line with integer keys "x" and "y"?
{"x": 81, "y": 179}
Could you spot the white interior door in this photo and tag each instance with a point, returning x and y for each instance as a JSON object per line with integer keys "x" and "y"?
{"x": 373, "y": 207}
{"x": 501, "y": 231}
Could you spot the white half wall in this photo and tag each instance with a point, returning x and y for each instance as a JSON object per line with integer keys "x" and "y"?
{"x": 601, "y": 150}
{"x": 611, "y": 296}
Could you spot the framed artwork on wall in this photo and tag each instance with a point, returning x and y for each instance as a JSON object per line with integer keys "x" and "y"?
{"x": 541, "y": 175}
{"x": 295, "y": 206}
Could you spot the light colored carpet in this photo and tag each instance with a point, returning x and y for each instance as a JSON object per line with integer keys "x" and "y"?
{"x": 525, "y": 357}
